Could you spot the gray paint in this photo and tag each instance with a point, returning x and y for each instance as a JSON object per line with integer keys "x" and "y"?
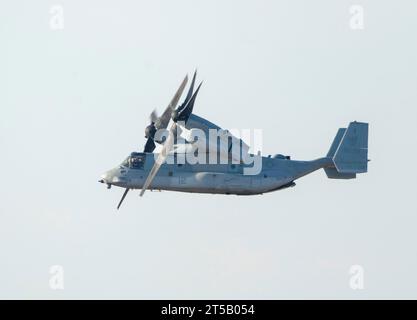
{"x": 276, "y": 172}
{"x": 215, "y": 178}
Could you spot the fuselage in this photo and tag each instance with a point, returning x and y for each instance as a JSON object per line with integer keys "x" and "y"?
{"x": 275, "y": 173}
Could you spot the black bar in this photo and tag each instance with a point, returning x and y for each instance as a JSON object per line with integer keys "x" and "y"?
{"x": 208, "y": 309}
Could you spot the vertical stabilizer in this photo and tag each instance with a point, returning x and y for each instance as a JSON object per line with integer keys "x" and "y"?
{"x": 351, "y": 156}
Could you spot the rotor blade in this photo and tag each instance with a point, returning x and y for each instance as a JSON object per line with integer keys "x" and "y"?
{"x": 168, "y": 145}
{"x": 153, "y": 117}
{"x": 163, "y": 120}
{"x": 185, "y": 113}
{"x": 150, "y": 145}
{"x": 190, "y": 92}
{"x": 123, "y": 197}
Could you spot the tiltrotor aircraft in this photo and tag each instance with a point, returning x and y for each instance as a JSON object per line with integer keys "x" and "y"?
{"x": 347, "y": 156}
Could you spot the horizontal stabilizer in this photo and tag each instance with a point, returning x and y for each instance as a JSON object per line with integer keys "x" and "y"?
{"x": 332, "y": 173}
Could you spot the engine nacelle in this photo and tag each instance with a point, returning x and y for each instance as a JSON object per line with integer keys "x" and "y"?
{"x": 225, "y": 144}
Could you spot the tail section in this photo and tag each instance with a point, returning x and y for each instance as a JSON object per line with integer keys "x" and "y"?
{"x": 349, "y": 152}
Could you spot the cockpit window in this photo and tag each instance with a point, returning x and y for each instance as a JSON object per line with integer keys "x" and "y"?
{"x": 135, "y": 161}
{"x": 126, "y": 162}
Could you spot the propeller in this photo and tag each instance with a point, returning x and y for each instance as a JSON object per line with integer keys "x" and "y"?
{"x": 157, "y": 123}
{"x": 123, "y": 197}
{"x": 169, "y": 143}
{"x": 182, "y": 113}
{"x": 190, "y": 92}
{"x": 153, "y": 117}
{"x": 161, "y": 122}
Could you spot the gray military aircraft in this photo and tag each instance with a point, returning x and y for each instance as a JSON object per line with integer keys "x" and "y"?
{"x": 347, "y": 156}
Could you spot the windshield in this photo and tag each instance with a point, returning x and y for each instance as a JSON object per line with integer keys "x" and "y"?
{"x": 125, "y": 163}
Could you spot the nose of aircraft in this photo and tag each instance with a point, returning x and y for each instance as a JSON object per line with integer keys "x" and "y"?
{"x": 106, "y": 178}
{"x": 103, "y": 178}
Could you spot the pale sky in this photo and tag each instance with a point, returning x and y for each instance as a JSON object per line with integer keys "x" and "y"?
{"x": 74, "y": 102}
